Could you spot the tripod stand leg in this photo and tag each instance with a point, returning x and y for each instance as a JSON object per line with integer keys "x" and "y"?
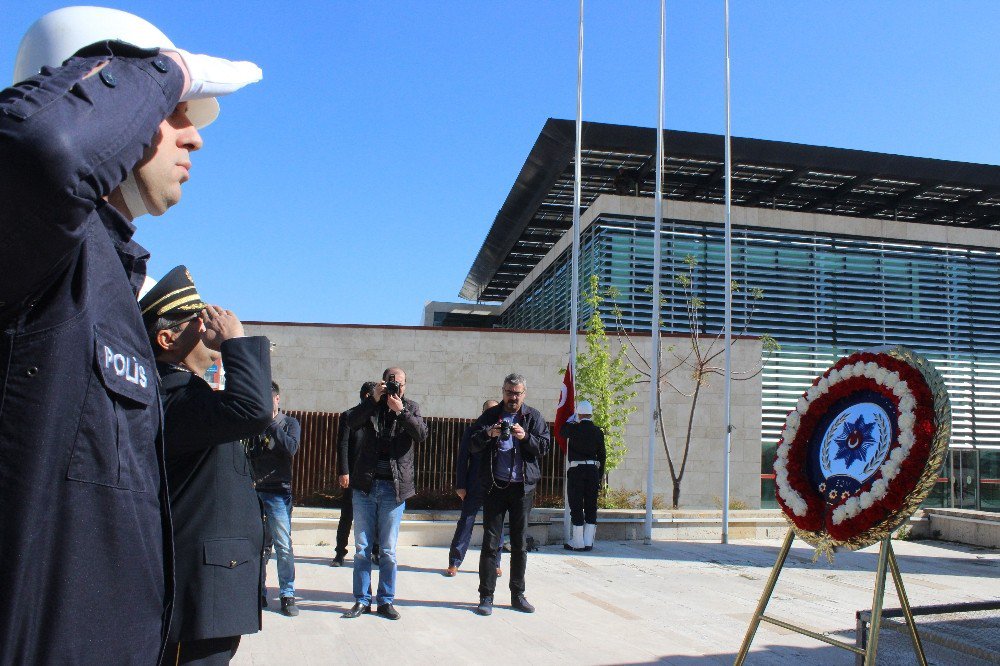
{"x": 883, "y": 560}
{"x": 765, "y": 597}
{"x": 904, "y": 603}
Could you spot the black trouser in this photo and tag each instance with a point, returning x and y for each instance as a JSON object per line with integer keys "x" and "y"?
{"x": 514, "y": 501}
{"x": 344, "y": 527}
{"x": 582, "y": 484}
{"x": 204, "y": 652}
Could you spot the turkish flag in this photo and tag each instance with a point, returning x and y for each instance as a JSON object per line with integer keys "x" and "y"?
{"x": 566, "y": 407}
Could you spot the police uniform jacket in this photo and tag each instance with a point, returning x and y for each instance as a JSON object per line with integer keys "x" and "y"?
{"x": 586, "y": 441}
{"x": 218, "y": 528}
{"x": 84, "y": 526}
{"x": 404, "y": 432}
{"x": 534, "y": 445}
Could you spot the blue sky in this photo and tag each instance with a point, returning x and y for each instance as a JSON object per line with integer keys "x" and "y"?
{"x": 359, "y": 179}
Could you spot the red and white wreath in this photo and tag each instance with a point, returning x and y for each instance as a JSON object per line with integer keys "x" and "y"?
{"x": 854, "y": 452}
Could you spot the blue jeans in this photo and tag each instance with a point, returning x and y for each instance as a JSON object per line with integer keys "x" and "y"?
{"x": 278, "y": 510}
{"x": 376, "y": 518}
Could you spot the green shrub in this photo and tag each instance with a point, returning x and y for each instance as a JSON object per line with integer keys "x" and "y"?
{"x": 621, "y": 498}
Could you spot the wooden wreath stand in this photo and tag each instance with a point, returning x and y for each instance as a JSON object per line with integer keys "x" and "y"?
{"x": 886, "y": 560}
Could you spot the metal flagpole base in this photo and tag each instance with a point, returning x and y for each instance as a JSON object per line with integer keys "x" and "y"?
{"x": 865, "y": 651}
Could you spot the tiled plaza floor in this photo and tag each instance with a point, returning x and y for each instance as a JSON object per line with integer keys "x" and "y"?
{"x": 682, "y": 603}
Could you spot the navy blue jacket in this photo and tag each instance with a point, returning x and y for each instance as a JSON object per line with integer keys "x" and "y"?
{"x": 218, "y": 528}
{"x": 84, "y": 525}
{"x": 271, "y": 454}
{"x": 532, "y": 447}
{"x": 467, "y": 464}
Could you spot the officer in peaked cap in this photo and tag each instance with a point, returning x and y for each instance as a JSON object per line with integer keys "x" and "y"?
{"x": 174, "y": 299}
{"x": 217, "y": 526}
{"x": 98, "y": 129}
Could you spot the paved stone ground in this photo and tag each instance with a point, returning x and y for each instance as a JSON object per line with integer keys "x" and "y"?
{"x": 681, "y": 603}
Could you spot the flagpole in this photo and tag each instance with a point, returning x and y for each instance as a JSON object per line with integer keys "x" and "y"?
{"x": 726, "y": 401}
{"x": 654, "y": 326}
{"x": 575, "y": 280}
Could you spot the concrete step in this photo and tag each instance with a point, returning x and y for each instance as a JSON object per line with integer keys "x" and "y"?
{"x": 311, "y": 526}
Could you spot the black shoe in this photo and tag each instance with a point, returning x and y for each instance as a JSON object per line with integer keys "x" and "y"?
{"x": 357, "y": 610}
{"x": 337, "y": 561}
{"x": 288, "y": 606}
{"x": 485, "y": 606}
{"x": 388, "y": 612}
{"x": 518, "y": 602}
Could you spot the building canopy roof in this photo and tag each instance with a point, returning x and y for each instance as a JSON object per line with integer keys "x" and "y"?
{"x": 619, "y": 159}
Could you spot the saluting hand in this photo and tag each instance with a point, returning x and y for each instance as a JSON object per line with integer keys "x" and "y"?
{"x": 220, "y": 325}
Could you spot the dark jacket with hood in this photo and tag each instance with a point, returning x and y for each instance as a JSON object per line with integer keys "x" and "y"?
{"x": 399, "y": 435}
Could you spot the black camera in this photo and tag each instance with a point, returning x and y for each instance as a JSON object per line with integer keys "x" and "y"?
{"x": 392, "y": 387}
{"x": 504, "y": 431}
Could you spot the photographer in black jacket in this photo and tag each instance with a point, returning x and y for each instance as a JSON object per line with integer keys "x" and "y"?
{"x": 512, "y": 438}
{"x": 271, "y": 456}
{"x": 381, "y": 481}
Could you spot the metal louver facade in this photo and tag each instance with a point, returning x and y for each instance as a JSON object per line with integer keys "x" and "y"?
{"x": 825, "y": 295}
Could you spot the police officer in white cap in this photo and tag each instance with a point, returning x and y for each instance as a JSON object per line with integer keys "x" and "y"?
{"x": 98, "y": 129}
{"x": 587, "y": 455}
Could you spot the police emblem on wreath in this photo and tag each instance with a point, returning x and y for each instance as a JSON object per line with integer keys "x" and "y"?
{"x": 862, "y": 448}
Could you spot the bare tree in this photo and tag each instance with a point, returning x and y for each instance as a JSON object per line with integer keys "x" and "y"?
{"x": 698, "y": 358}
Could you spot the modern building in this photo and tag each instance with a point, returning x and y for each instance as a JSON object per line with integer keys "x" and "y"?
{"x": 851, "y": 250}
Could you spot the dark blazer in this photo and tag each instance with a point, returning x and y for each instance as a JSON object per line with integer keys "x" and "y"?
{"x": 586, "y": 441}
{"x": 218, "y": 528}
{"x": 348, "y": 444}
{"x": 467, "y": 464}
{"x": 532, "y": 447}
{"x": 410, "y": 429}
{"x": 84, "y": 526}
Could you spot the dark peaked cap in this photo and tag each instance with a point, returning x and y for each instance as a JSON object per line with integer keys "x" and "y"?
{"x": 174, "y": 298}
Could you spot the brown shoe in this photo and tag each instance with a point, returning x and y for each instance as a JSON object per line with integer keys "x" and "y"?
{"x": 451, "y": 572}
{"x": 499, "y": 572}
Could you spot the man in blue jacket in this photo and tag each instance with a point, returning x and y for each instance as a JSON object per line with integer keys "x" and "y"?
{"x": 87, "y": 145}
{"x": 469, "y": 490}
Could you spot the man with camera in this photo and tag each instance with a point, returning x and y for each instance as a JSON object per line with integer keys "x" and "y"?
{"x": 271, "y": 454}
{"x": 381, "y": 481}
{"x": 512, "y": 438}
{"x": 348, "y": 447}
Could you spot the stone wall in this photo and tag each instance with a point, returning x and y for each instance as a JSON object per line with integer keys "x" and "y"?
{"x": 450, "y": 372}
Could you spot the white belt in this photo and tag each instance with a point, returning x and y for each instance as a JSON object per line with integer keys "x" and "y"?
{"x": 584, "y": 462}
